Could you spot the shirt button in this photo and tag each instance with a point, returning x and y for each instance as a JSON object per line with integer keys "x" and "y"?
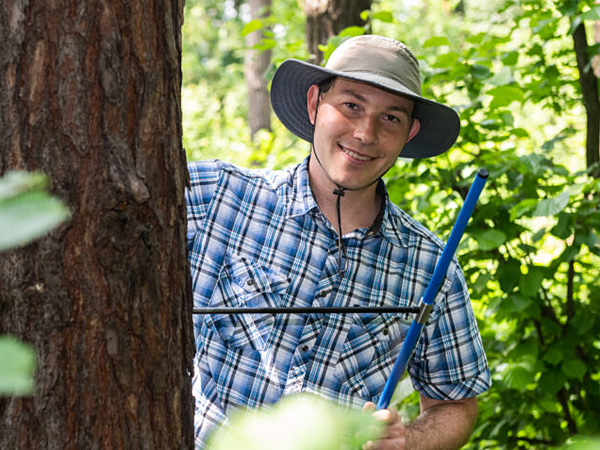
{"x": 304, "y": 348}
{"x": 249, "y": 281}
{"x": 385, "y": 332}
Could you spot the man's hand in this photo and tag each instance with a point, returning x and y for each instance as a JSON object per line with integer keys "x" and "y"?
{"x": 442, "y": 424}
{"x": 395, "y": 432}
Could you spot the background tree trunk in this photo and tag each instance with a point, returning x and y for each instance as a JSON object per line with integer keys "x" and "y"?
{"x": 256, "y": 64}
{"x": 326, "y": 18}
{"x": 90, "y": 94}
{"x": 589, "y": 90}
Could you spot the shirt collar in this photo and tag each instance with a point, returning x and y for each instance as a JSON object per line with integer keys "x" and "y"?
{"x": 300, "y": 201}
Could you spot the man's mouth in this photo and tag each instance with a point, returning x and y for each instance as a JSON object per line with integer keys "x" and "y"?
{"x": 355, "y": 155}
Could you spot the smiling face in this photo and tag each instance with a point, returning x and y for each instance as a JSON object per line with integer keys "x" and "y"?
{"x": 360, "y": 131}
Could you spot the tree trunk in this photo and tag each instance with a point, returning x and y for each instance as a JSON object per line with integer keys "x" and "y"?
{"x": 90, "y": 94}
{"x": 256, "y": 64}
{"x": 326, "y": 18}
{"x": 589, "y": 90}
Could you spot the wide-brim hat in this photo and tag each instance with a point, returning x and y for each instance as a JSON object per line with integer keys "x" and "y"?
{"x": 377, "y": 60}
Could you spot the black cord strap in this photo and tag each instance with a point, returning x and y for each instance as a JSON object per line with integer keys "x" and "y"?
{"x": 309, "y": 310}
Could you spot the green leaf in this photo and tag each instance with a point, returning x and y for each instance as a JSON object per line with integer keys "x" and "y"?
{"x": 523, "y": 207}
{"x": 553, "y": 356}
{"x": 384, "y": 16}
{"x": 490, "y": 239}
{"x": 252, "y": 26}
{"x": 552, "y": 206}
{"x": 29, "y": 217}
{"x": 17, "y": 367}
{"x": 505, "y": 95}
{"x": 509, "y": 274}
{"x": 480, "y": 72}
{"x": 518, "y": 376}
{"x": 16, "y": 183}
{"x": 27, "y": 212}
{"x": 352, "y": 31}
{"x": 591, "y": 14}
{"x": 551, "y": 381}
{"x": 521, "y": 302}
{"x": 574, "y": 368}
{"x": 436, "y": 41}
{"x": 532, "y": 281}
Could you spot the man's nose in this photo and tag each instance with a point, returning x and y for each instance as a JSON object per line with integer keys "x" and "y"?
{"x": 366, "y": 130}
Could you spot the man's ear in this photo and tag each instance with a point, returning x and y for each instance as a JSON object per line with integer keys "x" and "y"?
{"x": 311, "y": 102}
{"x": 414, "y": 130}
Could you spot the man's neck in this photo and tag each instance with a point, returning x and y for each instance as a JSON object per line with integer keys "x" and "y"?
{"x": 358, "y": 209}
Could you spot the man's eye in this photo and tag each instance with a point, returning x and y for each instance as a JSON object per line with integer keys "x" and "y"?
{"x": 391, "y": 118}
{"x": 351, "y": 105}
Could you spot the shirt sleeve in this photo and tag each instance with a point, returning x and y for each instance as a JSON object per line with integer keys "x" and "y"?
{"x": 449, "y": 361}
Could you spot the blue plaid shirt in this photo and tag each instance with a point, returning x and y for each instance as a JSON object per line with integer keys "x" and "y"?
{"x": 257, "y": 238}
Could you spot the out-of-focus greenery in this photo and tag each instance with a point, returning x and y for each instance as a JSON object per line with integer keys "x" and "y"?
{"x": 531, "y": 253}
{"x": 299, "y": 422}
{"x": 27, "y": 212}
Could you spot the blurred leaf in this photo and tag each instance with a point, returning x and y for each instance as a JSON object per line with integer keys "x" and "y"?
{"x": 551, "y": 381}
{"x": 574, "y": 368}
{"x": 300, "y": 422}
{"x": 17, "y": 367}
{"x": 518, "y": 376}
{"x": 26, "y": 212}
{"x": 250, "y": 27}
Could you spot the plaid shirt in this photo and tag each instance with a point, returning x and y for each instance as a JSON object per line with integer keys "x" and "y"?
{"x": 257, "y": 238}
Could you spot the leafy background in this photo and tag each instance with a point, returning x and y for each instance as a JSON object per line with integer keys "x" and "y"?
{"x": 531, "y": 253}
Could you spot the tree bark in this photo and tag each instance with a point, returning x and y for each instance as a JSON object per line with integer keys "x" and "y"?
{"x": 326, "y": 18}
{"x": 90, "y": 94}
{"x": 589, "y": 90}
{"x": 256, "y": 64}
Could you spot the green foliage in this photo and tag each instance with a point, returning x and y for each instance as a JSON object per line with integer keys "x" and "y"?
{"x": 531, "y": 254}
{"x": 27, "y": 212}
{"x": 285, "y": 426}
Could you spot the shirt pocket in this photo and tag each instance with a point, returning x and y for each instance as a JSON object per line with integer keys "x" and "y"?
{"x": 367, "y": 356}
{"x": 244, "y": 283}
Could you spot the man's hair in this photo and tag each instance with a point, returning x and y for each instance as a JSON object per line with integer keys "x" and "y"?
{"x": 326, "y": 85}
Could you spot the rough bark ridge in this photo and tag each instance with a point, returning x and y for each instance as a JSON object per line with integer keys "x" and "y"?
{"x": 326, "y": 18}
{"x": 90, "y": 94}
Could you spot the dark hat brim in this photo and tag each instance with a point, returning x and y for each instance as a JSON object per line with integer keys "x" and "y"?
{"x": 440, "y": 124}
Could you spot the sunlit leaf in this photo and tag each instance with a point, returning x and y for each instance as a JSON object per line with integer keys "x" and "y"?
{"x": 252, "y": 26}
{"x": 384, "y": 16}
{"x": 436, "y": 41}
{"x": 552, "y": 206}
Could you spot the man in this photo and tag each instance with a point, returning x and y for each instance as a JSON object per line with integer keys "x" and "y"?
{"x": 324, "y": 233}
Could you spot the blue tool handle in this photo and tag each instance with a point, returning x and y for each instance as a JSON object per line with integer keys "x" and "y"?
{"x": 414, "y": 332}
{"x": 426, "y": 304}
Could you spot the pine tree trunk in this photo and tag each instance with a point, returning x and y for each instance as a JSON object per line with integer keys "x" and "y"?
{"x": 256, "y": 64}
{"x": 90, "y": 94}
{"x": 326, "y": 18}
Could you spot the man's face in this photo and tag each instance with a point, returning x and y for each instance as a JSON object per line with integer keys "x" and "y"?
{"x": 360, "y": 131}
